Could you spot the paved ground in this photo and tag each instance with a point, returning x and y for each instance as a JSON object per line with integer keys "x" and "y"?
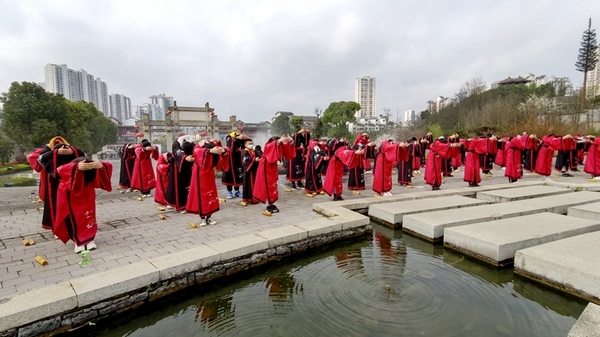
{"x": 131, "y": 231}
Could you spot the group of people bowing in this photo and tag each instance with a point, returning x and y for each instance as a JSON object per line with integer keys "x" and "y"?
{"x": 185, "y": 177}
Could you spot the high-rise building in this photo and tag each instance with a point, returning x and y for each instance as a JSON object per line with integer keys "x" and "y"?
{"x": 163, "y": 102}
{"x": 77, "y": 85}
{"x": 365, "y": 94}
{"x": 409, "y": 115}
{"x": 120, "y": 107}
{"x": 593, "y": 81}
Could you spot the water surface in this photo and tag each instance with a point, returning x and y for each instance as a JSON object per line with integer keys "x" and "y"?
{"x": 388, "y": 284}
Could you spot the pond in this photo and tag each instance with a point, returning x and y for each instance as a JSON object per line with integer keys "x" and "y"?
{"x": 388, "y": 284}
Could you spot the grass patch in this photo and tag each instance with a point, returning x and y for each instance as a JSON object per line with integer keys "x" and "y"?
{"x": 15, "y": 168}
{"x": 17, "y": 181}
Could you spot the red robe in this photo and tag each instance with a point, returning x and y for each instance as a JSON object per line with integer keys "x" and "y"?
{"x": 203, "y": 198}
{"x": 265, "y": 187}
{"x": 433, "y": 169}
{"x": 475, "y": 147}
{"x": 162, "y": 178}
{"x": 501, "y": 154}
{"x": 32, "y": 158}
{"x": 76, "y": 199}
{"x": 592, "y": 162}
{"x": 335, "y": 169}
{"x": 543, "y": 164}
{"x": 387, "y": 158}
{"x": 143, "y": 173}
{"x": 512, "y": 149}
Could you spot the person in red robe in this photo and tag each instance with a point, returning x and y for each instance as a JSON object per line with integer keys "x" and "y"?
{"x": 499, "y": 159}
{"x": 180, "y": 175}
{"x": 76, "y": 198}
{"x": 162, "y": 177}
{"x": 438, "y": 150}
{"x": 390, "y": 153}
{"x": 425, "y": 143}
{"x": 543, "y": 163}
{"x": 203, "y": 198}
{"x": 62, "y": 153}
{"x": 295, "y": 167}
{"x": 317, "y": 159}
{"x": 363, "y": 141}
{"x": 233, "y": 178}
{"x": 266, "y": 185}
{"x": 250, "y": 160}
{"x": 513, "y": 155}
{"x": 342, "y": 157}
{"x": 127, "y": 155}
{"x": 143, "y": 178}
{"x": 592, "y": 161}
{"x": 32, "y": 158}
{"x": 476, "y": 147}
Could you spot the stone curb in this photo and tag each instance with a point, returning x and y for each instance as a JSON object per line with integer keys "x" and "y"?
{"x": 64, "y": 305}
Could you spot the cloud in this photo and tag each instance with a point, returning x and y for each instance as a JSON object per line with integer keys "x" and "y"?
{"x": 254, "y": 58}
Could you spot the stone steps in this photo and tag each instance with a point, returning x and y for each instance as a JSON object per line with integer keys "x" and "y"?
{"x": 521, "y": 193}
{"x": 496, "y": 242}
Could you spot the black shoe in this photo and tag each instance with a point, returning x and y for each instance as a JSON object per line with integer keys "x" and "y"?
{"x": 337, "y": 198}
{"x": 293, "y": 185}
{"x": 272, "y": 209}
{"x": 567, "y": 174}
{"x": 300, "y": 185}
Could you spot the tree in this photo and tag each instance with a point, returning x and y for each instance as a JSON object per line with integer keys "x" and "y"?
{"x": 7, "y": 149}
{"x": 89, "y": 130}
{"x": 33, "y": 116}
{"x": 319, "y": 128}
{"x": 296, "y": 122}
{"x": 587, "y": 57}
{"x": 281, "y": 126}
{"x": 337, "y": 115}
{"x": 474, "y": 86}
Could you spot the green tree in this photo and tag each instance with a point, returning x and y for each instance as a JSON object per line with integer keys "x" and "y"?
{"x": 340, "y": 113}
{"x": 319, "y": 128}
{"x": 281, "y": 126}
{"x": 436, "y": 130}
{"x": 587, "y": 57}
{"x": 32, "y": 116}
{"x": 296, "y": 122}
{"x": 89, "y": 130}
{"x": 7, "y": 149}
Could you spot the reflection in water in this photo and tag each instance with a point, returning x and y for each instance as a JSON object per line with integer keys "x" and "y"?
{"x": 388, "y": 285}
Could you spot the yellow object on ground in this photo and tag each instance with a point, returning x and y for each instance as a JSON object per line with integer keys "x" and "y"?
{"x": 41, "y": 260}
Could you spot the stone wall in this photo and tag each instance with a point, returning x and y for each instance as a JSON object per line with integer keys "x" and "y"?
{"x": 80, "y": 317}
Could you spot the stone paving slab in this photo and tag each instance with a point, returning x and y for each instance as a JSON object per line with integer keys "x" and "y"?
{"x": 588, "y": 324}
{"x": 514, "y": 194}
{"x": 431, "y": 225}
{"x": 496, "y": 242}
{"x": 560, "y": 203}
{"x": 393, "y": 213}
{"x": 587, "y": 211}
{"x": 571, "y": 264}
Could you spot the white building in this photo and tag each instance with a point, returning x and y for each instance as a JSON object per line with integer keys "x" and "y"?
{"x": 434, "y": 106}
{"x": 593, "y": 81}
{"x": 368, "y": 124}
{"x": 410, "y": 115}
{"x": 154, "y": 111}
{"x": 163, "y": 103}
{"x": 365, "y": 94}
{"x": 77, "y": 86}
{"x": 120, "y": 107}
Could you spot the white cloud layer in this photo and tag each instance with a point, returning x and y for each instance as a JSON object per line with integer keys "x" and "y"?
{"x": 253, "y": 58}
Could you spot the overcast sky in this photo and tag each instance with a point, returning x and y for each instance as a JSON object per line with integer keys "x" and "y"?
{"x": 252, "y": 58}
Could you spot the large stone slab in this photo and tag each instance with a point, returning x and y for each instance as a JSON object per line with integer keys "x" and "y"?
{"x": 101, "y": 286}
{"x": 392, "y": 213}
{"x": 521, "y": 193}
{"x": 183, "y": 262}
{"x": 239, "y": 246}
{"x": 561, "y": 203}
{"x": 283, "y": 235}
{"x": 587, "y": 211}
{"x": 588, "y": 324}
{"x": 496, "y": 242}
{"x": 36, "y": 304}
{"x": 571, "y": 264}
{"x": 430, "y": 225}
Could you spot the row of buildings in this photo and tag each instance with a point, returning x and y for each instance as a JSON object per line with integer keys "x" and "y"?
{"x": 79, "y": 85}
